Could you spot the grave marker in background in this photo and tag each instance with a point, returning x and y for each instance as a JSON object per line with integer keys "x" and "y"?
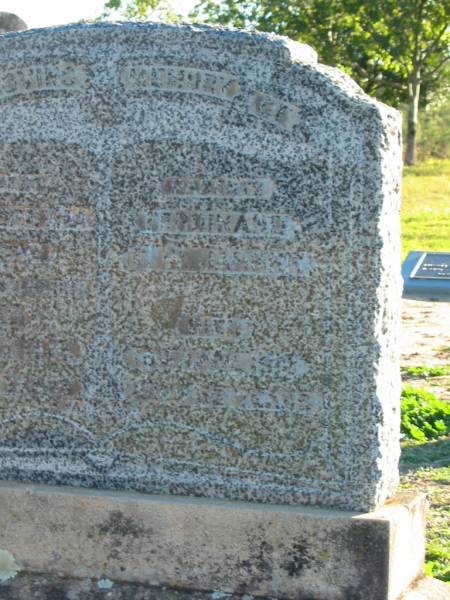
{"x": 11, "y": 22}
{"x": 426, "y": 276}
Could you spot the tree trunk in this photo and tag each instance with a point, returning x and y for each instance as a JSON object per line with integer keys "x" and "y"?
{"x": 413, "y": 116}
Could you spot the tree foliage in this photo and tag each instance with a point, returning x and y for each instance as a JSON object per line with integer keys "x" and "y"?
{"x": 376, "y": 42}
{"x": 434, "y": 131}
{"x": 141, "y": 10}
{"x": 395, "y": 49}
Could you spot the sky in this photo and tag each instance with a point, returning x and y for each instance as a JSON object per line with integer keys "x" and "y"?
{"x": 44, "y": 13}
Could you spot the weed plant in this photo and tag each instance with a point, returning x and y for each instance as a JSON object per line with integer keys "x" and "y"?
{"x": 424, "y": 416}
{"x": 423, "y": 372}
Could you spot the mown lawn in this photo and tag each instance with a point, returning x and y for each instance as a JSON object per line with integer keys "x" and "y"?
{"x": 426, "y": 207}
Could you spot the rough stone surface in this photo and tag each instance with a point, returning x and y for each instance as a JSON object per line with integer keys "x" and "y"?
{"x": 199, "y": 267}
{"x": 295, "y": 553}
{"x": 11, "y": 22}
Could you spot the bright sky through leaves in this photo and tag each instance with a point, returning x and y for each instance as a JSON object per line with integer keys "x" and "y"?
{"x": 44, "y": 13}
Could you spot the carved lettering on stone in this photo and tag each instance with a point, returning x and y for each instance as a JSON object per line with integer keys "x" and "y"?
{"x": 27, "y": 79}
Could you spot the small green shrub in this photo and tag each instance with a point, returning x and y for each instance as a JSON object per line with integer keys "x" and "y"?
{"x": 424, "y": 417}
{"x": 437, "y": 562}
{"x": 425, "y": 372}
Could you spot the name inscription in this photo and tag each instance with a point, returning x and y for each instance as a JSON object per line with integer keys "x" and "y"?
{"x": 221, "y": 187}
{"x": 210, "y": 327}
{"x": 23, "y": 182}
{"x": 19, "y": 254}
{"x": 147, "y": 394}
{"x": 218, "y": 223}
{"x": 139, "y": 78}
{"x": 44, "y": 350}
{"x": 224, "y": 261}
{"x": 42, "y": 77}
{"x": 274, "y": 110}
{"x": 67, "y": 295}
{"x": 219, "y": 362}
{"x": 142, "y": 77}
{"x": 72, "y": 218}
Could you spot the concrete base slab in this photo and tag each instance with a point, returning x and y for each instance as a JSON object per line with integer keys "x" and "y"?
{"x": 39, "y": 586}
{"x": 218, "y": 546}
{"x": 428, "y": 588}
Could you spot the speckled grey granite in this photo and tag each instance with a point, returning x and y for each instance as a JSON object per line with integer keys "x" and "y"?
{"x": 199, "y": 276}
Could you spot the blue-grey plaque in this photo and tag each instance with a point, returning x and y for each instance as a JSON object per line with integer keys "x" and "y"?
{"x": 426, "y": 276}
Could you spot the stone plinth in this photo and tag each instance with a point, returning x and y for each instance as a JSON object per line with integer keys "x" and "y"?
{"x": 294, "y": 553}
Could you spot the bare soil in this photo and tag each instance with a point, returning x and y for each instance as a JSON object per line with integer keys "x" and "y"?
{"x": 425, "y": 341}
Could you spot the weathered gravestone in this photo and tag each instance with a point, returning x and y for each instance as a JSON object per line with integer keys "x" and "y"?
{"x": 199, "y": 269}
{"x": 11, "y": 22}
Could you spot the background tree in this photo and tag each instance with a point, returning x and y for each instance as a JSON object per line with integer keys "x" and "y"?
{"x": 395, "y": 49}
{"x": 140, "y": 10}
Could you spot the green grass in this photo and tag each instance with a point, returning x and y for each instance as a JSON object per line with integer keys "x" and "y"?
{"x": 426, "y": 207}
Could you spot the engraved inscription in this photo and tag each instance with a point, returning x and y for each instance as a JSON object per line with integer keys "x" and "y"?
{"x": 18, "y": 255}
{"x": 42, "y": 77}
{"x": 226, "y": 261}
{"x": 219, "y": 223}
{"x": 206, "y": 326}
{"x": 72, "y": 218}
{"x": 281, "y": 399}
{"x": 206, "y": 362}
{"x": 14, "y": 386}
{"x": 273, "y": 109}
{"x": 168, "y": 314}
{"x": 64, "y": 288}
{"x": 43, "y": 350}
{"x": 22, "y": 254}
{"x": 143, "y": 77}
{"x": 65, "y": 298}
{"x": 222, "y": 187}
{"x": 209, "y": 326}
{"x": 168, "y": 78}
{"x": 21, "y": 183}
{"x": 48, "y": 268}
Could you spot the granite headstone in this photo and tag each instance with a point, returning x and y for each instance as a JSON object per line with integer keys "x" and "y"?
{"x": 199, "y": 286}
{"x": 11, "y": 22}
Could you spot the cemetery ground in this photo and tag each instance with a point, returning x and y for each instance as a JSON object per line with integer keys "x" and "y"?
{"x": 425, "y": 465}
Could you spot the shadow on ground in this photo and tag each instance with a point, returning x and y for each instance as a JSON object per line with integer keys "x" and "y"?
{"x": 417, "y": 455}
